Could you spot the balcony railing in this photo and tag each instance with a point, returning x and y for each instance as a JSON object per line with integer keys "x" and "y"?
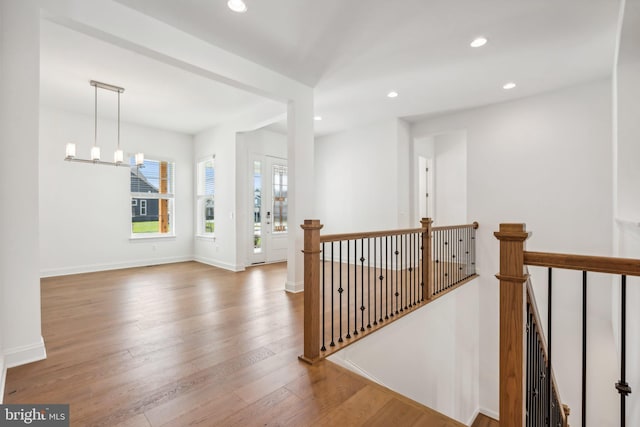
{"x": 357, "y": 283}
{"x": 528, "y": 391}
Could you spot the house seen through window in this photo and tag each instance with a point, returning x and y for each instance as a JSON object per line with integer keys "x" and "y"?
{"x": 152, "y": 198}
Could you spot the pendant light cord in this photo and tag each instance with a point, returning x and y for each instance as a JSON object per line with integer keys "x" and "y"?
{"x": 118, "y": 120}
{"x": 95, "y": 117}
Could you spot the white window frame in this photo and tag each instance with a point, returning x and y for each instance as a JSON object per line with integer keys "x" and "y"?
{"x": 202, "y": 197}
{"x": 143, "y": 207}
{"x": 168, "y": 196}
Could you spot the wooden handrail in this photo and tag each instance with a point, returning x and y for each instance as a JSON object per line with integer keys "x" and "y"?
{"x": 598, "y": 264}
{"x": 473, "y": 225}
{"x": 366, "y": 235}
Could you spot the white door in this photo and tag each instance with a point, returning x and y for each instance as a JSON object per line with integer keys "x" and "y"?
{"x": 269, "y": 206}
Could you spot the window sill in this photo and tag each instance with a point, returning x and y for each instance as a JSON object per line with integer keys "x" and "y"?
{"x": 206, "y": 237}
{"x": 152, "y": 237}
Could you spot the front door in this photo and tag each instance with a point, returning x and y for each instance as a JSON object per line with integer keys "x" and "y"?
{"x": 269, "y": 227}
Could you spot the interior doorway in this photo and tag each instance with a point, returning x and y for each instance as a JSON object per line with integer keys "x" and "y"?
{"x": 269, "y": 209}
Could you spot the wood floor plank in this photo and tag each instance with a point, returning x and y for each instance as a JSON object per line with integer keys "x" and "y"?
{"x": 189, "y": 344}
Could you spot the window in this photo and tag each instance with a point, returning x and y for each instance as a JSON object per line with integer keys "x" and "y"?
{"x": 205, "y": 206}
{"x": 280, "y": 204}
{"x": 152, "y": 198}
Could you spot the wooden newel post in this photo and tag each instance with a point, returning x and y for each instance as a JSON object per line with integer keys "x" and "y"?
{"x": 311, "y": 252}
{"x": 427, "y": 259}
{"x": 512, "y": 324}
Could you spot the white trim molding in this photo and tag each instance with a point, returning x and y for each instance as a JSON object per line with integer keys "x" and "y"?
{"x": 294, "y": 287}
{"x": 92, "y": 268}
{"x": 215, "y": 263}
{"x": 25, "y": 354}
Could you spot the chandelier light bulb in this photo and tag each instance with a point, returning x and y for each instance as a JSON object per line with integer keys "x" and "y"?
{"x": 71, "y": 150}
{"x": 95, "y": 153}
{"x": 118, "y": 156}
{"x": 139, "y": 159}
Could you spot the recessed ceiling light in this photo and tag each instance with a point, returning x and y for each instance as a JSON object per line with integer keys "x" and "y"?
{"x": 237, "y": 6}
{"x": 317, "y": 118}
{"x": 392, "y": 94}
{"x": 478, "y": 42}
{"x": 509, "y": 85}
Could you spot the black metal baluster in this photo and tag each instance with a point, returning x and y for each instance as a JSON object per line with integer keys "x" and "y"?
{"x": 402, "y": 270}
{"x": 454, "y": 257}
{"x": 375, "y": 282}
{"x": 381, "y": 277}
{"x": 622, "y": 386}
{"x": 396, "y": 253}
{"x": 417, "y": 272}
{"x": 340, "y": 289}
{"x": 348, "y": 291}
{"x": 391, "y": 294}
{"x": 448, "y": 258}
{"x": 355, "y": 287}
{"x": 422, "y": 267}
{"x": 528, "y": 369}
{"x": 410, "y": 266}
{"x": 415, "y": 269}
{"x": 362, "y": 286}
{"x": 333, "y": 344}
{"x": 407, "y": 276}
{"x": 584, "y": 348}
{"x": 323, "y": 348}
{"x": 387, "y": 301}
{"x": 436, "y": 272}
{"x": 549, "y": 342}
{"x": 369, "y": 286}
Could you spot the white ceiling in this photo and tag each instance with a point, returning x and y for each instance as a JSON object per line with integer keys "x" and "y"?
{"x": 353, "y": 52}
{"x": 156, "y": 94}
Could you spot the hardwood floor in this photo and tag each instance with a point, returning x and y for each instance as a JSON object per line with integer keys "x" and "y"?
{"x": 188, "y": 344}
{"x": 484, "y": 421}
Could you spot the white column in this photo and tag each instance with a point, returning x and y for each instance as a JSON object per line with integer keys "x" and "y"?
{"x": 19, "y": 121}
{"x": 300, "y": 155}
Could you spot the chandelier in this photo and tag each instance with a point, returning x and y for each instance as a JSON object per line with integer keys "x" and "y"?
{"x": 118, "y": 155}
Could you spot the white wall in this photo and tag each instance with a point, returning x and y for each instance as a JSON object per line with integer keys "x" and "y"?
{"x": 627, "y": 207}
{"x": 19, "y": 279}
{"x": 430, "y": 355}
{"x": 221, "y": 250}
{"x": 545, "y": 161}
{"x": 450, "y": 167}
{"x": 226, "y": 142}
{"x": 85, "y": 210}
{"x": 361, "y": 169}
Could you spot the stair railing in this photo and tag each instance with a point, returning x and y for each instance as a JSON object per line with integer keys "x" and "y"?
{"x": 528, "y": 391}
{"x": 357, "y": 283}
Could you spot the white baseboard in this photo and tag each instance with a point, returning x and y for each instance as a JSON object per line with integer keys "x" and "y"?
{"x": 3, "y": 378}
{"x": 25, "y": 354}
{"x": 489, "y": 413}
{"x": 294, "y": 287}
{"x": 64, "y": 271}
{"x": 347, "y": 364}
{"x": 219, "y": 264}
